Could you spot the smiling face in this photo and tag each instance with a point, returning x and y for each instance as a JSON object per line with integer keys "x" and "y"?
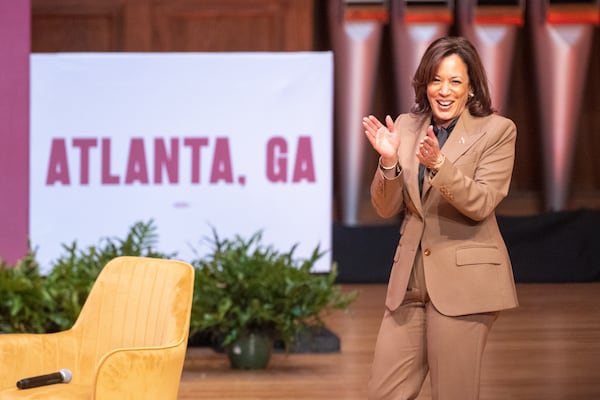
{"x": 448, "y": 92}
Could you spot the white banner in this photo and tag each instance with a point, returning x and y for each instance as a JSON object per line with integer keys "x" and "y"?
{"x": 240, "y": 142}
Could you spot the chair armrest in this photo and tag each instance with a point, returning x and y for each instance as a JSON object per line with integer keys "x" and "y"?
{"x": 29, "y": 354}
{"x": 140, "y": 373}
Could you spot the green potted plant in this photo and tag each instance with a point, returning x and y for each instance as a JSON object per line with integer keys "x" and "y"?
{"x": 247, "y": 295}
{"x": 24, "y": 300}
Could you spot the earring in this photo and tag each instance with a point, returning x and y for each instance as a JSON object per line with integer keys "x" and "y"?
{"x": 471, "y": 94}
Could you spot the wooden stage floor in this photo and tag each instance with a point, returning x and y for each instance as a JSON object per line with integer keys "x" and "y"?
{"x": 547, "y": 349}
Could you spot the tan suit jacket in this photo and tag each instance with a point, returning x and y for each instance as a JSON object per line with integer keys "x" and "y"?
{"x": 453, "y": 223}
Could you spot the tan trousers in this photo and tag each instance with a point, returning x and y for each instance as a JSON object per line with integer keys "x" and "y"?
{"x": 416, "y": 339}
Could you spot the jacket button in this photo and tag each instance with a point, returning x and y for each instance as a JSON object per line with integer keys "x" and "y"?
{"x": 427, "y": 252}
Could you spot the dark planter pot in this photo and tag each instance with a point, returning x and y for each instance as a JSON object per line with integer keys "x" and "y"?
{"x": 317, "y": 339}
{"x": 252, "y": 351}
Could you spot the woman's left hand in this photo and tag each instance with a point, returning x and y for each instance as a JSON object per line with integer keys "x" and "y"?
{"x": 428, "y": 152}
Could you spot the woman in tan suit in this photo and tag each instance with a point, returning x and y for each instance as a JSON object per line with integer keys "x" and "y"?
{"x": 451, "y": 273}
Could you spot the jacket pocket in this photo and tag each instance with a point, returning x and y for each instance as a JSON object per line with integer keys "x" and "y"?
{"x": 478, "y": 255}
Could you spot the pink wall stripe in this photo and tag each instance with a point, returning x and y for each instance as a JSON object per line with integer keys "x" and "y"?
{"x": 15, "y": 47}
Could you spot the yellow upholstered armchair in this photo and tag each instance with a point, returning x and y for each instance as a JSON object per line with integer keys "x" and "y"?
{"x": 129, "y": 341}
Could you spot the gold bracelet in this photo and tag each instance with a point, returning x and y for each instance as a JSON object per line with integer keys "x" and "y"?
{"x": 438, "y": 163}
{"x": 387, "y": 168}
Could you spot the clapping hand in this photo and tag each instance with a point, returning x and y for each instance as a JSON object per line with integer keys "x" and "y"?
{"x": 384, "y": 138}
{"x": 428, "y": 152}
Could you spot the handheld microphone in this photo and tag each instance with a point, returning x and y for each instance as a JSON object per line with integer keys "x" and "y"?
{"x": 62, "y": 376}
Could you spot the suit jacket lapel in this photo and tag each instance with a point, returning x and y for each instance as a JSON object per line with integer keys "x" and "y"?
{"x": 411, "y": 163}
{"x": 466, "y": 132}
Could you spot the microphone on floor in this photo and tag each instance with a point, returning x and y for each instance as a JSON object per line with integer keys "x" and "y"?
{"x": 62, "y": 376}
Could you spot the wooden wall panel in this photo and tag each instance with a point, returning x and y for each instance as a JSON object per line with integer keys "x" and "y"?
{"x": 242, "y": 25}
{"x": 172, "y": 25}
{"x": 63, "y": 25}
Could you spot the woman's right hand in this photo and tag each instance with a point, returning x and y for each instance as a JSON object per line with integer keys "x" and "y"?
{"x": 384, "y": 138}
